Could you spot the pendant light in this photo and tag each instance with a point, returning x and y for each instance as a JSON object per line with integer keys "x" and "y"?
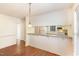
{"x": 30, "y": 25}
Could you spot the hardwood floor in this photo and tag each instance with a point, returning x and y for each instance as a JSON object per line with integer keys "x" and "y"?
{"x": 24, "y": 51}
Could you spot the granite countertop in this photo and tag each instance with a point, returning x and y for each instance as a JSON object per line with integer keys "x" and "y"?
{"x": 49, "y": 35}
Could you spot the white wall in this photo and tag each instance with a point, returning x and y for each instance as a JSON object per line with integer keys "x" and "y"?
{"x": 77, "y": 35}
{"x": 51, "y": 18}
{"x": 8, "y": 26}
{"x": 77, "y": 22}
{"x": 23, "y": 29}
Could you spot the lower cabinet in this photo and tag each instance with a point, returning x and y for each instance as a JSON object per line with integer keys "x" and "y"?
{"x": 52, "y": 44}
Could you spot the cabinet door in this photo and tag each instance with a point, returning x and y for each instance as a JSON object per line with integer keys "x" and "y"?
{"x": 31, "y": 38}
{"x": 57, "y": 45}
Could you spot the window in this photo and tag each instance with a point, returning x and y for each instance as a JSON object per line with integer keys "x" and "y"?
{"x": 52, "y": 28}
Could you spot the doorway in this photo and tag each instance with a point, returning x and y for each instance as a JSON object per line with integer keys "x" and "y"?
{"x": 20, "y": 41}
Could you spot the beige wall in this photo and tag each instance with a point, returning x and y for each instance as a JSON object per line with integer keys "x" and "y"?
{"x": 70, "y": 22}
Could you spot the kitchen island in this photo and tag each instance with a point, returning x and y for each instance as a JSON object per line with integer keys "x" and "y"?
{"x": 50, "y": 43}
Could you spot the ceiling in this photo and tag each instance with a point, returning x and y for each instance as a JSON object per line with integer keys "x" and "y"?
{"x": 20, "y": 10}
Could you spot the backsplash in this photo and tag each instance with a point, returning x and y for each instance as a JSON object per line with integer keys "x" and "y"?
{"x": 50, "y": 30}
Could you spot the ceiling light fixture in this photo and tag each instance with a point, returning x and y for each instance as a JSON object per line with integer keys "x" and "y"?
{"x": 30, "y": 25}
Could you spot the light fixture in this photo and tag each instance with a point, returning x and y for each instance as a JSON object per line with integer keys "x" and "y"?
{"x": 29, "y": 25}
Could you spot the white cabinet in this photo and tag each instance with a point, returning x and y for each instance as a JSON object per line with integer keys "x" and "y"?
{"x": 58, "y": 45}
{"x": 38, "y": 41}
{"x": 51, "y": 44}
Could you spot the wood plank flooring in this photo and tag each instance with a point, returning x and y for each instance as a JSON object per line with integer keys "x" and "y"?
{"x": 24, "y": 51}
